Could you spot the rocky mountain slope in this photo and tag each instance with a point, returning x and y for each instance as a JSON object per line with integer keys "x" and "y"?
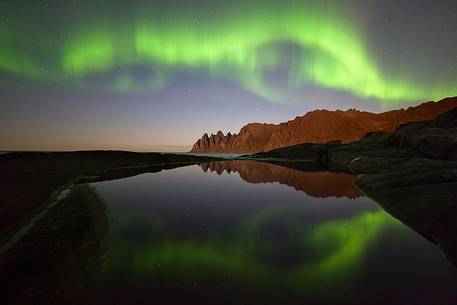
{"x": 318, "y": 126}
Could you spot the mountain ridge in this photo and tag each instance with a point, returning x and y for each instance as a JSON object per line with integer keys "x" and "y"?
{"x": 318, "y": 126}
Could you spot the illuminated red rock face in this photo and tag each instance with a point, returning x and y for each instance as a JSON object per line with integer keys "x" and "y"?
{"x": 318, "y": 126}
{"x": 316, "y": 184}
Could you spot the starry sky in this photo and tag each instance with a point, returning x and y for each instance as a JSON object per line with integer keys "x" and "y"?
{"x": 155, "y": 75}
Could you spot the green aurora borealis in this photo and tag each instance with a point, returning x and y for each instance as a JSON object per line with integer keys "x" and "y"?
{"x": 240, "y": 45}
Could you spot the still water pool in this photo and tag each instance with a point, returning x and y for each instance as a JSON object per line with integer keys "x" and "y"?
{"x": 244, "y": 232}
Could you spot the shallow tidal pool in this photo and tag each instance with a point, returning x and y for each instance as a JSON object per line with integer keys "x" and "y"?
{"x": 244, "y": 232}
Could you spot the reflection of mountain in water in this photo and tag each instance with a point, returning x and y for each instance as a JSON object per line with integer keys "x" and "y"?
{"x": 316, "y": 184}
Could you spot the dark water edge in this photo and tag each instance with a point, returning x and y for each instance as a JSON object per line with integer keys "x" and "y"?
{"x": 5, "y": 247}
{"x": 29, "y": 179}
{"x": 51, "y": 263}
{"x": 29, "y": 183}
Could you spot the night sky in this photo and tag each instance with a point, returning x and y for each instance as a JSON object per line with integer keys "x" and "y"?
{"x": 156, "y": 75}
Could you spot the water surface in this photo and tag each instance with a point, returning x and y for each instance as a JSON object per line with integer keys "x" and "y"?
{"x": 243, "y": 232}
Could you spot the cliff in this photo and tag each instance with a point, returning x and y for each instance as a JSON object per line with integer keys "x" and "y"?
{"x": 318, "y": 126}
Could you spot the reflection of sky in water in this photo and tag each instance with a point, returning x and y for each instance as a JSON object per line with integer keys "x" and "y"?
{"x": 184, "y": 231}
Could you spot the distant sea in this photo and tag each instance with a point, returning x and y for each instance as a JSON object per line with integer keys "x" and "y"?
{"x": 217, "y": 155}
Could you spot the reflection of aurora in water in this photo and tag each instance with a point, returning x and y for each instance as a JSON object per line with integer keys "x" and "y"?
{"x": 339, "y": 247}
{"x": 185, "y": 232}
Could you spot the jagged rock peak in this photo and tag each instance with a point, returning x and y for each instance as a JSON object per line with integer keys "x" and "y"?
{"x": 319, "y": 126}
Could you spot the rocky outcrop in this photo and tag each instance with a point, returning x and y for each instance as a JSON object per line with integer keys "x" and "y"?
{"x": 411, "y": 173}
{"x": 419, "y": 145}
{"x": 436, "y": 138}
{"x": 429, "y": 143}
{"x": 318, "y": 126}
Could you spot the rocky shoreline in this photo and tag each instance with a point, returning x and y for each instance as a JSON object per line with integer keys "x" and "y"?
{"x": 411, "y": 173}
{"x": 51, "y": 263}
{"x": 29, "y": 179}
